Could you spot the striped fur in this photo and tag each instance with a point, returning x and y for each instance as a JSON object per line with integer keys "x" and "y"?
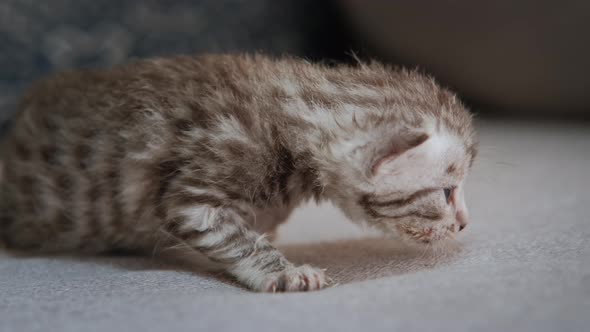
{"x": 216, "y": 151}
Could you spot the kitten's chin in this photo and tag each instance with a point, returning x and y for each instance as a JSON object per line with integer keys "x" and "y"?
{"x": 427, "y": 236}
{"x": 439, "y": 247}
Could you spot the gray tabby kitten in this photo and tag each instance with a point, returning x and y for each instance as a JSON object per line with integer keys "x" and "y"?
{"x": 216, "y": 151}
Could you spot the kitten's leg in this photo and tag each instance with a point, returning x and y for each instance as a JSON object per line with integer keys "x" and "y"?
{"x": 222, "y": 235}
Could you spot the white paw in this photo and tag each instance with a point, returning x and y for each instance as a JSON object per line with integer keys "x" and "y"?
{"x": 297, "y": 279}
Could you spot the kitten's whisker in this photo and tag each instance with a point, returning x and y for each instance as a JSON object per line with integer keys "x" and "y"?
{"x": 506, "y": 163}
{"x": 426, "y": 251}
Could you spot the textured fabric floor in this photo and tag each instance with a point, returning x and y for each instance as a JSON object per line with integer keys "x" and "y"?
{"x": 524, "y": 264}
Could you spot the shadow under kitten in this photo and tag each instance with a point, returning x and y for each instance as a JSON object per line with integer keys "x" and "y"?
{"x": 346, "y": 261}
{"x": 355, "y": 260}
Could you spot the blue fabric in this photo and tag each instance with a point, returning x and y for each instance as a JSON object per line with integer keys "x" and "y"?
{"x": 39, "y": 37}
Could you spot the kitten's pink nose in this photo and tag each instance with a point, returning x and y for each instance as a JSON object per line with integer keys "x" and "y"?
{"x": 461, "y": 217}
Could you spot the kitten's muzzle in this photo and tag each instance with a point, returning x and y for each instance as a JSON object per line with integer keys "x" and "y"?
{"x": 458, "y": 202}
{"x": 461, "y": 217}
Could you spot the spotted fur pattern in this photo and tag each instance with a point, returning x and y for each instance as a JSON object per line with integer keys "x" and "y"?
{"x": 215, "y": 151}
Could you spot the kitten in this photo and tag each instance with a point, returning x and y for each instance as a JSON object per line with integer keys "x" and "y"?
{"x": 216, "y": 151}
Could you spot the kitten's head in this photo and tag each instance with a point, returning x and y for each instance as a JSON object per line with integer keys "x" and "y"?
{"x": 414, "y": 187}
{"x": 406, "y": 174}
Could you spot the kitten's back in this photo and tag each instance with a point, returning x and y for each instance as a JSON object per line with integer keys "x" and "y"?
{"x": 89, "y": 151}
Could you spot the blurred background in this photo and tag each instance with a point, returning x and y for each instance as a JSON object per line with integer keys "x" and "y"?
{"x": 522, "y": 66}
{"x": 503, "y": 57}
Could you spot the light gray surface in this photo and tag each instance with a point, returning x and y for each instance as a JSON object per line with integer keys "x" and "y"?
{"x": 524, "y": 265}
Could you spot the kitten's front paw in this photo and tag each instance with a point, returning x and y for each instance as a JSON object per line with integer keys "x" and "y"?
{"x": 297, "y": 279}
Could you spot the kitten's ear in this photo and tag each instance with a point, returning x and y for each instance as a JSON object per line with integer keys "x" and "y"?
{"x": 398, "y": 146}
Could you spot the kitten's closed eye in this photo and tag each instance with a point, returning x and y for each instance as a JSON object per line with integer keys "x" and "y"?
{"x": 448, "y": 192}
